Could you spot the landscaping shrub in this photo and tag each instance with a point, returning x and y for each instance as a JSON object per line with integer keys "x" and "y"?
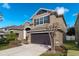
{"x": 70, "y": 31}
{"x": 4, "y": 41}
{"x": 4, "y": 46}
{"x": 11, "y": 36}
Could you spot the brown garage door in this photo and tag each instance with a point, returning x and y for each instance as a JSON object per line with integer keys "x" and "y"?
{"x": 41, "y": 38}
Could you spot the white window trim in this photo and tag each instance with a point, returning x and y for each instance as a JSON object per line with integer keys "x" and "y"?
{"x": 39, "y": 20}
{"x": 43, "y": 21}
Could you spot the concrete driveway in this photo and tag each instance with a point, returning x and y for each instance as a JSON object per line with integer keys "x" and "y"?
{"x": 25, "y": 50}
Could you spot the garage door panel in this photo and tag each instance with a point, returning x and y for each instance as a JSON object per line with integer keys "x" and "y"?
{"x": 41, "y": 38}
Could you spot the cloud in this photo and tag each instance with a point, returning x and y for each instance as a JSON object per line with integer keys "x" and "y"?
{"x": 1, "y": 18}
{"x": 75, "y": 14}
{"x": 6, "y": 5}
{"x": 61, "y": 10}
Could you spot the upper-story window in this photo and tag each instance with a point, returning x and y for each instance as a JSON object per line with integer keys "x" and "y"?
{"x": 46, "y": 19}
{"x": 41, "y": 20}
{"x": 36, "y": 21}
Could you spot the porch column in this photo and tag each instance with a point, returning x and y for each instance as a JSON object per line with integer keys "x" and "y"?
{"x": 24, "y": 34}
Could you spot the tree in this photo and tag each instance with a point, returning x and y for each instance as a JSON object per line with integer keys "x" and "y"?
{"x": 11, "y": 36}
{"x": 71, "y": 31}
{"x": 52, "y": 32}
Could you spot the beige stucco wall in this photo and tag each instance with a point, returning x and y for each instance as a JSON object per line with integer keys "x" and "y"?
{"x": 62, "y": 24}
{"x": 59, "y": 35}
{"x": 59, "y": 20}
{"x": 29, "y": 37}
{"x": 58, "y": 38}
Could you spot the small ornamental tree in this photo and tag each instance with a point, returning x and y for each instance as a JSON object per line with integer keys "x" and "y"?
{"x": 53, "y": 28}
{"x": 11, "y": 36}
{"x": 71, "y": 31}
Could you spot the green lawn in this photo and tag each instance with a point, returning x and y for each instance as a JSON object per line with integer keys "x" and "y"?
{"x": 70, "y": 45}
{"x": 51, "y": 54}
{"x": 4, "y": 46}
{"x": 73, "y": 53}
{"x": 73, "y": 49}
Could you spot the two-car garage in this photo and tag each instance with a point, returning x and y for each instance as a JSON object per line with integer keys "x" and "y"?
{"x": 40, "y": 38}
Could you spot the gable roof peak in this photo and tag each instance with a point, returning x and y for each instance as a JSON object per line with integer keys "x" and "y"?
{"x": 42, "y": 9}
{"x": 46, "y": 9}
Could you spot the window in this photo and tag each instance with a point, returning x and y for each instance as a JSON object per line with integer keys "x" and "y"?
{"x": 46, "y": 19}
{"x": 41, "y": 20}
{"x": 37, "y": 21}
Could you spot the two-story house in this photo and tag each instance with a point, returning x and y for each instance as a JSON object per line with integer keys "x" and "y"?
{"x": 19, "y": 30}
{"x": 40, "y": 29}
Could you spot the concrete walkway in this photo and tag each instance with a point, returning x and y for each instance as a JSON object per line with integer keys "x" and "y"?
{"x": 25, "y": 50}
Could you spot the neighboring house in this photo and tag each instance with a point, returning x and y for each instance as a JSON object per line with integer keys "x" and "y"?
{"x": 4, "y": 31}
{"x": 19, "y": 30}
{"x": 77, "y": 29}
{"x": 41, "y": 22}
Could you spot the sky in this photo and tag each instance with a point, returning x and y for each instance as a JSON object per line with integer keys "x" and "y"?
{"x": 18, "y": 13}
